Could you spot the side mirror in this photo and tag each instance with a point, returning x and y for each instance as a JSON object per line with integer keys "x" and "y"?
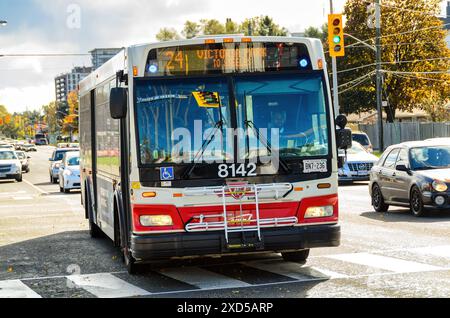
{"x": 341, "y": 121}
{"x": 402, "y": 168}
{"x": 50, "y": 159}
{"x": 344, "y": 139}
{"x": 118, "y": 102}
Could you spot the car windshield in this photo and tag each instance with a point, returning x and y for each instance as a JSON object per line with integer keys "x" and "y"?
{"x": 21, "y": 155}
{"x": 59, "y": 155}
{"x": 7, "y": 155}
{"x": 433, "y": 157}
{"x": 356, "y": 149}
{"x": 362, "y": 139}
{"x": 73, "y": 161}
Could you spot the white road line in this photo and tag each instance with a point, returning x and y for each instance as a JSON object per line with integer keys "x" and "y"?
{"x": 22, "y": 198}
{"x": 16, "y": 289}
{"x": 318, "y": 271}
{"x": 202, "y": 278}
{"x": 440, "y": 251}
{"x": 289, "y": 269}
{"x": 107, "y": 286}
{"x": 386, "y": 263}
{"x": 35, "y": 187}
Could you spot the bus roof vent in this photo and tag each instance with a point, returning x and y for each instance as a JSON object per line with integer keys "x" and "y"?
{"x": 218, "y": 36}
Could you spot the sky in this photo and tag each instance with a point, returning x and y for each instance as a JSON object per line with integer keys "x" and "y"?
{"x": 78, "y": 26}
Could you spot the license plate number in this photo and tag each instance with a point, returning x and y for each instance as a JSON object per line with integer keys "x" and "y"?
{"x": 311, "y": 166}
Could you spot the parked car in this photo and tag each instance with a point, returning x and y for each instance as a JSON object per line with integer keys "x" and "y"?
{"x": 55, "y": 162}
{"x": 29, "y": 148}
{"x": 24, "y": 160}
{"x": 69, "y": 172}
{"x": 358, "y": 165}
{"x": 10, "y": 165}
{"x": 7, "y": 147}
{"x": 414, "y": 175}
{"x": 363, "y": 139}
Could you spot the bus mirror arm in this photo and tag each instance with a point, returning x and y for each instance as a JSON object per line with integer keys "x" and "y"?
{"x": 118, "y": 102}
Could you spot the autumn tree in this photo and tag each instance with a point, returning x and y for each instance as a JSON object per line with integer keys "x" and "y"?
{"x": 50, "y": 117}
{"x": 70, "y": 123}
{"x": 415, "y": 57}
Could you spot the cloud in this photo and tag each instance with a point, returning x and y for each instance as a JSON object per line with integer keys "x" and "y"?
{"x": 41, "y": 26}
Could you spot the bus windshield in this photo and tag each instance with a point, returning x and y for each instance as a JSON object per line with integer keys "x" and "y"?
{"x": 282, "y": 112}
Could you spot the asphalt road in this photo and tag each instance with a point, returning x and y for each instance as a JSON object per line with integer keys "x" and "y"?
{"x": 46, "y": 251}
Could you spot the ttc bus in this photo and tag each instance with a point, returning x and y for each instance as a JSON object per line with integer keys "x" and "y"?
{"x": 219, "y": 145}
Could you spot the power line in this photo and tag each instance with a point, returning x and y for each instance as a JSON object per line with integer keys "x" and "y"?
{"x": 394, "y": 63}
{"x": 45, "y": 55}
{"x": 400, "y": 33}
{"x": 352, "y": 87}
{"x": 431, "y": 72}
{"x": 357, "y": 79}
{"x": 410, "y": 10}
{"x": 419, "y": 77}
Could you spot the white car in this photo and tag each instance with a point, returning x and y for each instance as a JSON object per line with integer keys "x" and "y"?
{"x": 55, "y": 163}
{"x": 69, "y": 172}
{"x": 10, "y": 165}
{"x": 358, "y": 165}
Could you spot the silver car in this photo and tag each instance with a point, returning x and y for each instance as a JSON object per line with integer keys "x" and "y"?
{"x": 358, "y": 165}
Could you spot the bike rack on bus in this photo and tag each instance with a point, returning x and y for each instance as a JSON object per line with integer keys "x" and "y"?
{"x": 239, "y": 192}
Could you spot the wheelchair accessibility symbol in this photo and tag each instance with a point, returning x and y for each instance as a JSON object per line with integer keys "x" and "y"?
{"x": 167, "y": 174}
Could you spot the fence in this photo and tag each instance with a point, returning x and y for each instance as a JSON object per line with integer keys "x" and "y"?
{"x": 395, "y": 133}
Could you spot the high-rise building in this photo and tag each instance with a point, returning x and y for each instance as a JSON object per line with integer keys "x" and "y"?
{"x": 103, "y": 55}
{"x": 66, "y": 83}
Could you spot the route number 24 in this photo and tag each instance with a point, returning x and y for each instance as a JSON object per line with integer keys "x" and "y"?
{"x": 240, "y": 170}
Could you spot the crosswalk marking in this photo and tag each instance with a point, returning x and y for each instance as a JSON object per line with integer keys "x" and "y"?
{"x": 440, "y": 251}
{"x": 386, "y": 263}
{"x": 16, "y": 289}
{"x": 289, "y": 269}
{"x": 202, "y": 278}
{"x": 24, "y": 198}
{"x": 107, "y": 286}
{"x": 318, "y": 271}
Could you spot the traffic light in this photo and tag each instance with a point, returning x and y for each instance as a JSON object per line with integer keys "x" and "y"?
{"x": 336, "y": 35}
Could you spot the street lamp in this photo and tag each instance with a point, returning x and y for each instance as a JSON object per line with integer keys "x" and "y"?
{"x": 3, "y": 23}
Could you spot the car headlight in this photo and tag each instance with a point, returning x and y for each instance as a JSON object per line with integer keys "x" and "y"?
{"x": 68, "y": 172}
{"x": 439, "y": 186}
{"x": 156, "y": 220}
{"x": 57, "y": 165}
{"x": 319, "y": 212}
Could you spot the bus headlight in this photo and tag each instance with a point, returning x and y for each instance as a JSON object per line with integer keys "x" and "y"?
{"x": 439, "y": 186}
{"x": 156, "y": 220}
{"x": 319, "y": 212}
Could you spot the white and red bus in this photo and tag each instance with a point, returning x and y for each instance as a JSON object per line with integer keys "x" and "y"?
{"x": 216, "y": 145}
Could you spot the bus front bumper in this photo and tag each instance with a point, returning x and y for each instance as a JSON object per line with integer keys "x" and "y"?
{"x": 178, "y": 245}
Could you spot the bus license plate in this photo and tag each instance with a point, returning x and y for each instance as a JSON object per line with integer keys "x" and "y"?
{"x": 311, "y": 166}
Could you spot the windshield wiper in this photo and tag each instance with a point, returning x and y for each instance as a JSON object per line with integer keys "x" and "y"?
{"x": 267, "y": 144}
{"x": 206, "y": 143}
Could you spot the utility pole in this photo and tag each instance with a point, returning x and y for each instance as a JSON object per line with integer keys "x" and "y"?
{"x": 379, "y": 78}
{"x": 335, "y": 78}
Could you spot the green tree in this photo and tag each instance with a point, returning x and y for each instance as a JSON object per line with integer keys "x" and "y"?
{"x": 50, "y": 117}
{"x": 167, "y": 34}
{"x": 262, "y": 26}
{"x": 210, "y": 27}
{"x": 191, "y": 29}
{"x": 231, "y": 27}
{"x": 413, "y": 45}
